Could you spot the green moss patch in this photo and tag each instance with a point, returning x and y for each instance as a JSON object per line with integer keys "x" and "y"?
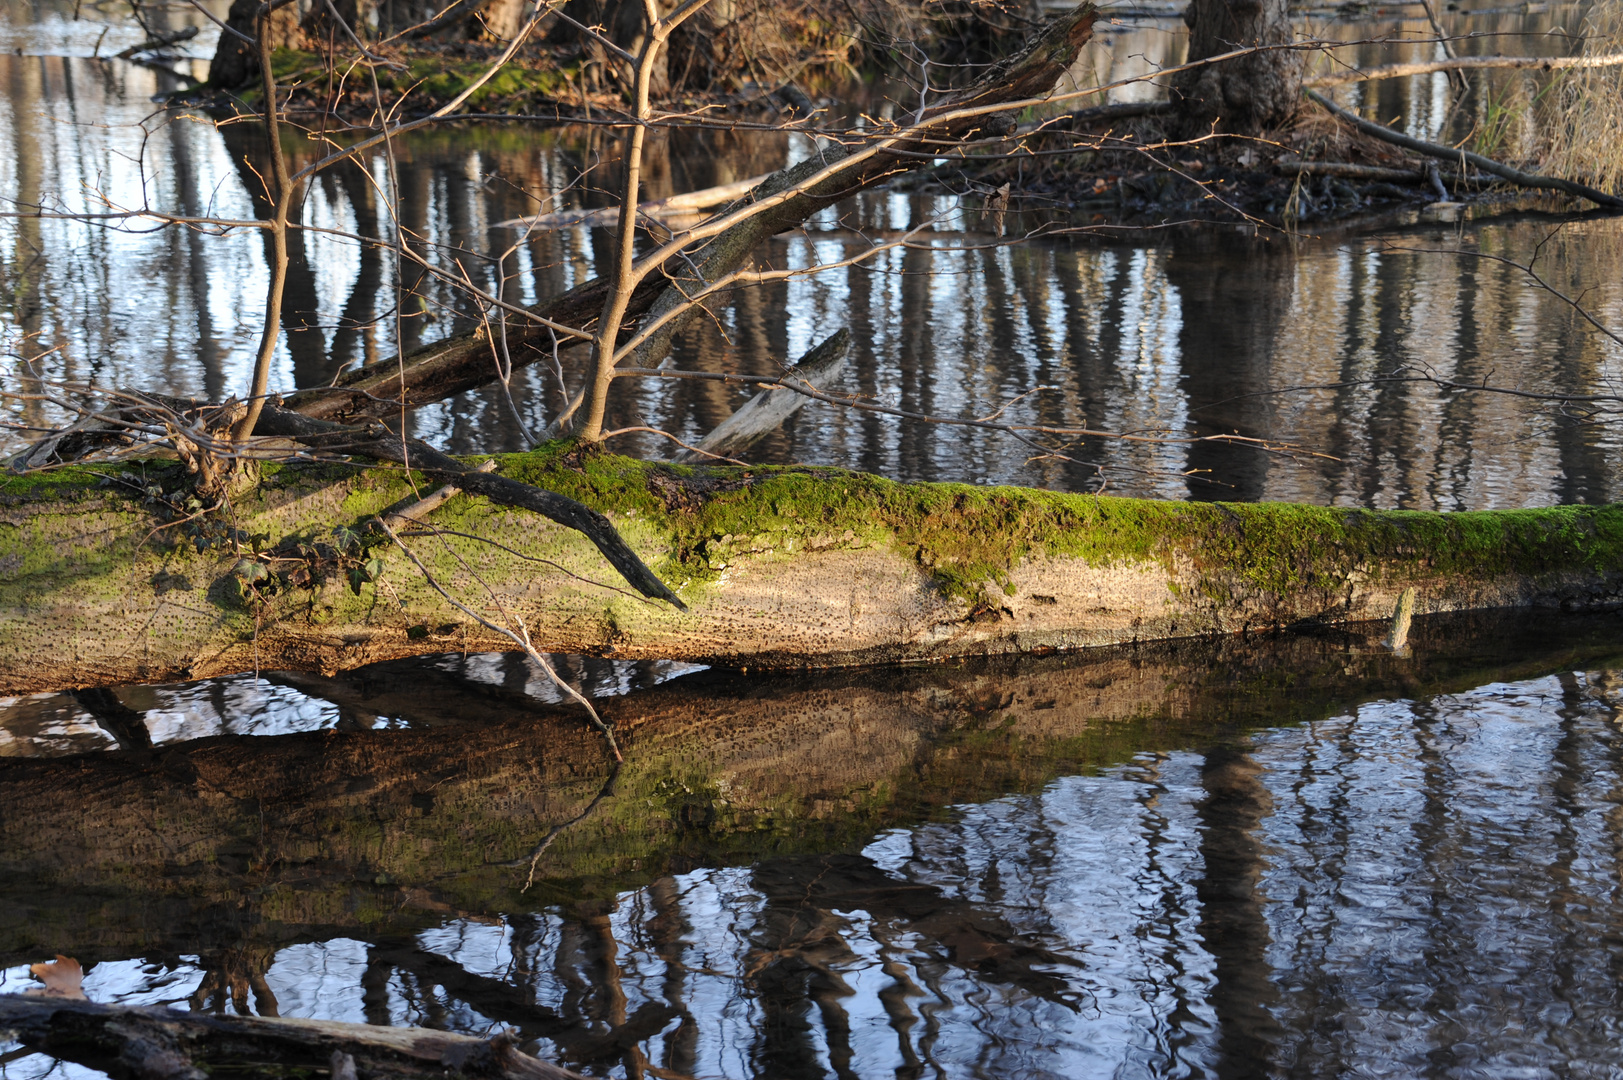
{"x": 430, "y": 78}
{"x": 970, "y": 538}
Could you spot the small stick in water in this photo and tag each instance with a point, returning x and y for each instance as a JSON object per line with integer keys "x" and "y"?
{"x": 1398, "y": 639}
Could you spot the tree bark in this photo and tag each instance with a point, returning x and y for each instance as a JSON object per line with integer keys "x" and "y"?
{"x": 137, "y": 1043}
{"x": 1249, "y": 94}
{"x": 780, "y": 568}
{"x": 236, "y": 61}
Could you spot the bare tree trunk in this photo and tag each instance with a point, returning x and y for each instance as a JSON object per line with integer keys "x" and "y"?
{"x": 1249, "y": 94}
{"x": 500, "y": 19}
{"x": 236, "y": 60}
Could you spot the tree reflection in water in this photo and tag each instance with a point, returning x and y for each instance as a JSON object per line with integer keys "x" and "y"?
{"x": 1423, "y": 887}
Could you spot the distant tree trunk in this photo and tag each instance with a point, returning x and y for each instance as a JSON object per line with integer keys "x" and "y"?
{"x": 1248, "y": 94}
{"x": 626, "y": 22}
{"x": 499, "y": 19}
{"x": 234, "y": 60}
{"x": 360, "y": 16}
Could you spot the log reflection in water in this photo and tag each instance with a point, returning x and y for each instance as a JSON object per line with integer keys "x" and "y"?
{"x": 1074, "y": 922}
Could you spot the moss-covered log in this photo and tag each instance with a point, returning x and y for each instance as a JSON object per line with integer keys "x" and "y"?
{"x": 105, "y": 579}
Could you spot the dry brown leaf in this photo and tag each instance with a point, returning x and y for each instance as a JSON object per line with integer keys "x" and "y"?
{"x": 63, "y": 978}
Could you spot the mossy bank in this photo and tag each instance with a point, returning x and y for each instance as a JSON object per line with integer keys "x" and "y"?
{"x": 108, "y": 578}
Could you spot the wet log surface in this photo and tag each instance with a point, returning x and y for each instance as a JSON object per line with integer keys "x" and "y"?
{"x": 147, "y": 1043}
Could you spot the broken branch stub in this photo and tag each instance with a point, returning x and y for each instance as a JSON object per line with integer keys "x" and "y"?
{"x": 766, "y": 411}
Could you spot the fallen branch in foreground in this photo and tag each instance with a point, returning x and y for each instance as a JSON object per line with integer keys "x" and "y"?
{"x": 149, "y": 1042}
{"x": 1464, "y": 63}
{"x": 1463, "y": 157}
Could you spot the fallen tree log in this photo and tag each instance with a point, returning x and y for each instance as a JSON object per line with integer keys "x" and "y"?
{"x": 465, "y": 361}
{"x": 142, "y": 1043}
{"x": 102, "y": 582}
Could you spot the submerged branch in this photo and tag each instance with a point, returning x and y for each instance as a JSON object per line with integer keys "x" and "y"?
{"x": 1463, "y": 157}
{"x": 149, "y": 1041}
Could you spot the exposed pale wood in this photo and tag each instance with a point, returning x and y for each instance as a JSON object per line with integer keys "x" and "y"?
{"x": 1397, "y": 639}
{"x": 1464, "y": 63}
{"x": 434, "y": 500}
{"x": 766, "y": 411}
{"x": 654, "y": 208}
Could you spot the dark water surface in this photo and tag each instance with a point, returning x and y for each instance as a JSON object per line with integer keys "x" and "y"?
{"x": 1295, "y": 857}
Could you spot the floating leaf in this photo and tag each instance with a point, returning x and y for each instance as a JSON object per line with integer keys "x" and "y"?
{"x": 63, "y": 978}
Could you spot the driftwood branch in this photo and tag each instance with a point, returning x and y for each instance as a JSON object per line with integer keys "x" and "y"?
{"x": 1464, "y": 63}
{"x": 158, "y": 41}
{"x": 767, "y": 410}
{"x": 657, "y": 209}
{"x": 137, "y": 1043}
{"x": 1464, "y": 157}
